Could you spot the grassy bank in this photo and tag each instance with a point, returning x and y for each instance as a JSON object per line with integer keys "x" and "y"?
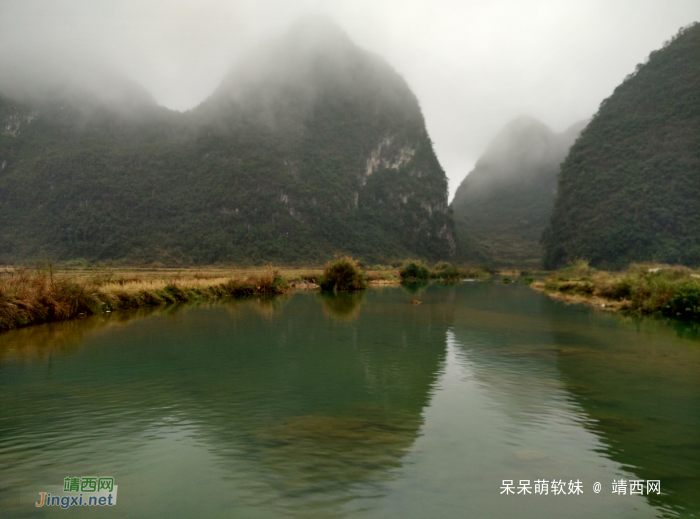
{"x": 672, "y": 291}
{"x": 33, "y": 297}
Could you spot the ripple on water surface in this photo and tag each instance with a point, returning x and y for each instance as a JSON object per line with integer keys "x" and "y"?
{"x": 360, "y": 405}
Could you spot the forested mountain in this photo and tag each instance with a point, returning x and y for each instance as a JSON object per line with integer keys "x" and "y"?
{"x": 311, "y": 146}
{"x": 629, "y": 190}
{"x": 504, "y": 204}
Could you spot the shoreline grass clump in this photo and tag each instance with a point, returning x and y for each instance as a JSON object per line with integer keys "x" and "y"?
{"x": 343, "y": 274}
{"x": 27, "y": 298}
{"x": 34, "y": 297}
{"x": 672, "y": 291}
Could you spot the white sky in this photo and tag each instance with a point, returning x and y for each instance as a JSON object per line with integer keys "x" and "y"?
{"x": 474, "y": 64}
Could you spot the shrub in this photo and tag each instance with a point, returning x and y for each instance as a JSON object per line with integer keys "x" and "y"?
{"x": 580, "y": 268}
{"x": 414, "y": 271}
{"x": 268, "y": 283}
{"x": 684, "y": 301}
{"x": 489, "y": 268}
{"x": 618, "y": 290}
{"x": 445, "y": 271}
{"x": 343, "y": 274}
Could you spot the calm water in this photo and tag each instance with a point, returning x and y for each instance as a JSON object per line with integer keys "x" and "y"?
{"x": 355, "y": 406}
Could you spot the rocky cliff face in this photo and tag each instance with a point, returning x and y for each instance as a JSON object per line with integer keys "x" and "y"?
{"x": 504, "y": 204}
{"x": 311, "y": 146}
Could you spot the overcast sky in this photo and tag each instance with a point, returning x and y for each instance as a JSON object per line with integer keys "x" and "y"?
{"x": 474, "y": 64}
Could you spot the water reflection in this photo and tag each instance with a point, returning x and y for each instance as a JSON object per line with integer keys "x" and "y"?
{"x": 643, "y": 399}
{"x": 40, "y": 342}
{"x": 304, "y": 404}
{"x": 624, "y": 379}
{"x": 332, "y": 406}
{"x": 342, "y": 305}
{"x": 415, "y": 287}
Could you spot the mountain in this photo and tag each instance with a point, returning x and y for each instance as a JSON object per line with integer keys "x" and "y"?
{"x": 504, "y": 204}
{"x": 310, "y": 146}
{"x": 629, "y": 190}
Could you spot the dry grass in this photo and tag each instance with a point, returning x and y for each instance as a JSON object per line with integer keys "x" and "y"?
{"x": 139, "y": 285}
{"x": 30, "y": 297}
{"x": 36, "y": 296}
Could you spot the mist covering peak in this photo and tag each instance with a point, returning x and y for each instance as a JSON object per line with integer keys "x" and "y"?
{"x": 503, "y": 205}
{"x": 310, "y": 146}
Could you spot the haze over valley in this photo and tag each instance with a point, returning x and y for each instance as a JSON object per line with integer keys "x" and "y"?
{"x": 474, "y": 66}
{"x": 308, "y": 144}
{"x": 322, "y": 258}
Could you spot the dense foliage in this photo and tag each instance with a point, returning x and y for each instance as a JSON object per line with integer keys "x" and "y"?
{"x": 504, "y": 204}
{"x": 343, "y": 274}
{"x": 312, "y": 147}
{"x": 629, "y": 190}
{"x": 413, "y": 271}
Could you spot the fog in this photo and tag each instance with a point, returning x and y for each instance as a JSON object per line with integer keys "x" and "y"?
{"x": 474, "y": 65}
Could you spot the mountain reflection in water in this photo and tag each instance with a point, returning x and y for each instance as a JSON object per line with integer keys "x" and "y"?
{"x": 355, "y": 405}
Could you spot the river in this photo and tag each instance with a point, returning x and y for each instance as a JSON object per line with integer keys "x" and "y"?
{"x": 357, "y": 405}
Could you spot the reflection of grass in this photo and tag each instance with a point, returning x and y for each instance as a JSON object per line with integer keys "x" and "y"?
{"x": 35, "y": 297}
{"x": 343, "y": 305}
{"x": 38, "y": 342}
{"x": 415, "y": 287}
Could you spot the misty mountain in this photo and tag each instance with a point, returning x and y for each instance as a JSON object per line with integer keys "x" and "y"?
{"x": 629, "y": 190}
{"x": 310, "y": 146}
{"x": 503, "y": 205}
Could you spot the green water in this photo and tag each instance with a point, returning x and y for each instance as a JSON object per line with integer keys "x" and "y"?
{"x": 355, "y": 406}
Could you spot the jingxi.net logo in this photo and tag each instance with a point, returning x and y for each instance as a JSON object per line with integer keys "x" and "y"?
{"x": 83, "y": 491}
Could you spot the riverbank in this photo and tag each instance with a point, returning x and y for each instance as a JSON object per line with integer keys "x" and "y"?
{"x": 34, "y": 297}
{"x": 48, "y": 294}
{"x": 672, "y": 291}
{"x": 38, "y": 296}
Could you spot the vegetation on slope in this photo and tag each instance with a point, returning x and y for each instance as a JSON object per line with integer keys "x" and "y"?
{"x": 629, "y": 190}
{"x": 504, "y": 204}
{"x": 310, "y": 148}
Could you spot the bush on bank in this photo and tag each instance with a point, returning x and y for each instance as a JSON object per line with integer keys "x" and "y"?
{"x": 343, "y": 274}
{"x": 414, "y": 270}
